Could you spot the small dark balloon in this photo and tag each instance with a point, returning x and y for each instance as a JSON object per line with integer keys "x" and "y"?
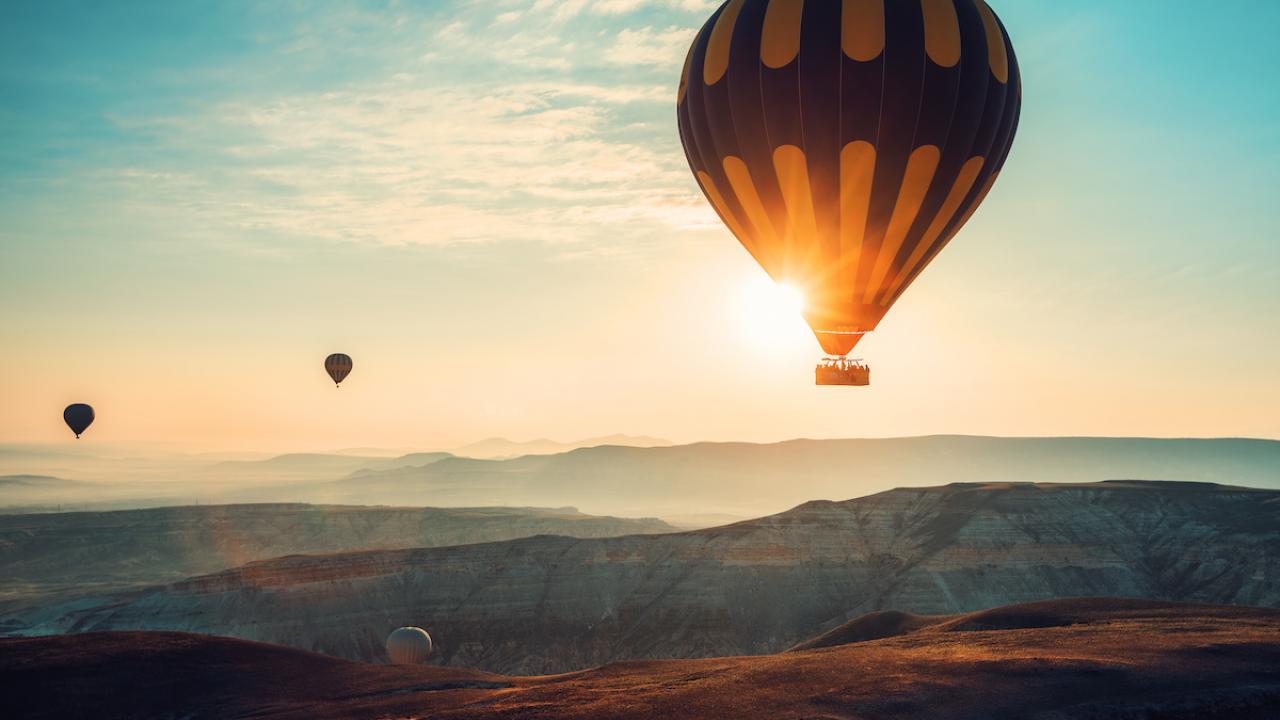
{"x": 78, "y": 417}
{"x": 338, "y": 365}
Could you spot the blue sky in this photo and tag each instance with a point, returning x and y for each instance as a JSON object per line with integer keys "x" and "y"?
{"x": 486, "y": 204}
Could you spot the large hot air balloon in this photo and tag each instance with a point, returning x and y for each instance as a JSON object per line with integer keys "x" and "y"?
{"x": 408, "y": 645}
{"x": 338, "y": 365}
{"x": 78, "y": 417}
{"x": 846, "y": 142}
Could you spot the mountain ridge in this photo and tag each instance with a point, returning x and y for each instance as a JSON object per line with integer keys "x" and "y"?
{"x": 701, "y": 480}
{"x": 500, "y": 448}
{"x": 748, "y": 479}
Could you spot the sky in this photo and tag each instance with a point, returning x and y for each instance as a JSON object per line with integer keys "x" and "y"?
{"x": 485, "y": 203}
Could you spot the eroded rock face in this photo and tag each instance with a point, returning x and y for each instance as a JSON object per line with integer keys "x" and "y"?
{"x": 551, "y": 604}
{"x": 75, "y": 553}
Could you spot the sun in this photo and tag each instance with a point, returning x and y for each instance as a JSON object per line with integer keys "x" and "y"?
{"x": 770, "y": 314}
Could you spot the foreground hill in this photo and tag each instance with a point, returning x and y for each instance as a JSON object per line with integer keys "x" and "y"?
{"x": 1101, "y": 659}
{"x": 749, "y": 480}
{"x": 91, "y": 551}
{"x": 551, "y": 604}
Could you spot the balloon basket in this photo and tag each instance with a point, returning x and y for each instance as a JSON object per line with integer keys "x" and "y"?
{"x": 841, "y": 371}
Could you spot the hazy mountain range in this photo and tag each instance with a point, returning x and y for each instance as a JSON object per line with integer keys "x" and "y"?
{"x": 746, "y": 479}
{"x": 724, "y": 479}
{"x": 551, "y": 604}
{"x": 42, "y": 477}
{"x": 501, "y": 448}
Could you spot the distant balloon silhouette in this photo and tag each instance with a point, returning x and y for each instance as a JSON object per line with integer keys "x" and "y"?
{"x": 408, "y": 645}
{"x": 845, "y": 143}
{"x": 338, "y": 365}
{"x": 78, "y": 417}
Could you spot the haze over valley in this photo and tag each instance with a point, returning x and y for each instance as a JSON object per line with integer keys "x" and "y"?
{"x": 702, "y": 482}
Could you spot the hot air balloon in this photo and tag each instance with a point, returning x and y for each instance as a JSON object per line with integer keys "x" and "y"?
{"x": 408, "y": 645}
{"x": 338, "y": 365}
{"x": 845, "y": 143}
{"x": 78, "y": 417}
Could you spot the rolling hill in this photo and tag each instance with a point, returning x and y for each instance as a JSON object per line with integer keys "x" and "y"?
{"x": 1093, "y": 659}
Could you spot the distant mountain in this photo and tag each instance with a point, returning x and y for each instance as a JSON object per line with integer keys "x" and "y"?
{"x": 33, "y": 481}
{"x": 700, "y": 481}
{"x": 697, "y": 521}
{"x": 376, "y": 451}
{"x": 49, "y": 460}
{"x": 85, "y": 552}
{"x": 551, "y": 604}
{"x": 37, "y": 489}
{"x": 749, "y": 480}
{"x": 502, "y": 448}
{"x": 417, "y": 459}
{"x": 1085, "y": 659}
{"x": 317, "y": 466}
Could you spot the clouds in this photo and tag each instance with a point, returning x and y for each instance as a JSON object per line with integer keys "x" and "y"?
{"x": 664, "y": 48}
{"x": 565, "y": 9}
{"x": 471, "y": 122}
{"x": 397, "y": 164}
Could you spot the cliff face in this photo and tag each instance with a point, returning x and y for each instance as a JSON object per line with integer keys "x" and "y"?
{"x": 550, "y": 604}
{"x": 86, "y": 551}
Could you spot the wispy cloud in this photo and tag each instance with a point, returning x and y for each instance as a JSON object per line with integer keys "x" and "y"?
{"x": 399, "y": 164}
{"x": 649, "y": 46}
{"x": 498, "y": 122}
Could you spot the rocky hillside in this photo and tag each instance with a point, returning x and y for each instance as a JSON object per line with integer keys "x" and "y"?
{"x": 90, "y": 551}
{"x": 1100, "y": 659}
{"x": 550, "y": 604}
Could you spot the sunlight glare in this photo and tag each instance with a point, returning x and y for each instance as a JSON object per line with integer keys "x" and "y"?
{"x": 770, "y": 315}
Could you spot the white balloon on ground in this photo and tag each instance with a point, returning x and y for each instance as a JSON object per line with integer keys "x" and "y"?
{"x": 408, "y": 645}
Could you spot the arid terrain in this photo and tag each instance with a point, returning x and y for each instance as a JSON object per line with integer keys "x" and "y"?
{"x": 60, "y": 557}
{"x": 553, "y": 604}
{"x": 1100, "y": 659}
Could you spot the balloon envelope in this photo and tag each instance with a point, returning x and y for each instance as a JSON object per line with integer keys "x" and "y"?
{"x": 408, "y": 645}
{"x": 78, "y": 417}
{"x": 338, "y": 365}
{"x": 845, "y": 143}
